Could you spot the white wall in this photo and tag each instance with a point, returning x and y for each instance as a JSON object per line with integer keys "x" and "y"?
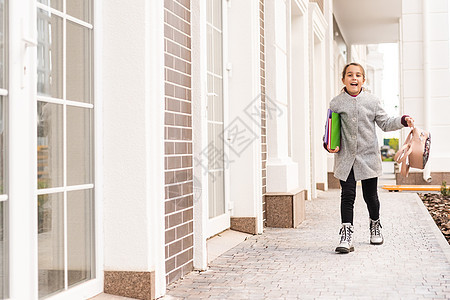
{"x": 124, "y": 146}
{"x": 413, "y": 87}
{"x": 282, "y": 171}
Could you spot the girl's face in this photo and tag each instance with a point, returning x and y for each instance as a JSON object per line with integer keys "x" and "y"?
{"x": 353, "y": 79}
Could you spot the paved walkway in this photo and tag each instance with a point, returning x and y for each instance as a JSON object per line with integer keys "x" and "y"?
{"x": 413, "y": 263}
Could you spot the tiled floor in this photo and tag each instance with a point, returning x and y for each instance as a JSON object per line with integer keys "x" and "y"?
{"x": 413, "y": 263}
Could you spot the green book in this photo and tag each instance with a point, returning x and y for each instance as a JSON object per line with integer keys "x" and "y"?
{"x": 335, "y": 135}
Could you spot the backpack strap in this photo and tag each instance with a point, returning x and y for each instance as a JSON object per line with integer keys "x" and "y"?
{"x": 402, "y": 155}
{"x": 405, "y": 162}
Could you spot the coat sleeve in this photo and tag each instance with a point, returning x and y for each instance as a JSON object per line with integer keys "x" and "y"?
{"x": 384, "y": 121}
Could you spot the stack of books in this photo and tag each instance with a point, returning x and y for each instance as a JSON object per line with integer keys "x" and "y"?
{"x": 332, "y": 137}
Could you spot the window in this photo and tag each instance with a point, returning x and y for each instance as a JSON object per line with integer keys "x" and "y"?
{"x": 215, "y": 105}
{"x": 65, "y": 113}
{"x": 4, "y": 276}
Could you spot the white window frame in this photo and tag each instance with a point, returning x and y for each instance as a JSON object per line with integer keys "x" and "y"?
{"x": 221, "y": 222}
{"x": 4, "y": 197}
{"x": 23, "y": 157}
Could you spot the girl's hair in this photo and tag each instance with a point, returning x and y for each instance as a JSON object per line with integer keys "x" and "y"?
{"x": 353, "y": 64}
{"x": 345, "y": 70}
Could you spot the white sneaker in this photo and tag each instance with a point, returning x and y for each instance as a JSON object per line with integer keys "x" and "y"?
{"x": 346, "y": 243}
{"x": 376, "y": 238}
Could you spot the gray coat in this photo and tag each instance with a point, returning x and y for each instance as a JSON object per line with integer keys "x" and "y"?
{"x": 359, "y": 144}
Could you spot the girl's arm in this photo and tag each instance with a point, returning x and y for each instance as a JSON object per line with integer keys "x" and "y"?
{"x": 386, "y": 122}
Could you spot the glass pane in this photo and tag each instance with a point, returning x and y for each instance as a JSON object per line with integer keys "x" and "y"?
{"x": 211, "y": 147}
{"x": 79, "y": 62}
{"x": 2, "y": 146}
{"x": 209, "y": 11}
{"x": 216, "y": 196}
{"x": 50, "y": 243}
{"x": 79, "y": 145}
{"x": 217, "y": 52}
{"x": 3, "y": 206}
{"x": 3, "y": 45}
{"x": 80, "y": 236}
{"x": 210, "y": 108}
{"x": 3, "y": 251}
{"x": 4, "y": 274}
{"x": 50, "y": 145}
{"x": 210, "y": 48}
{"x": 218, "y": 145}
{"x": 49, "y": 54}
{"x": 210, "y": 83}
{"x": 211, "y": 195}
{"x": 219, "y": 197}
{"x": 217, "y": 14}
{"x": 218, "y": 100}
{"x": 80, "y": 9}
{"x": 56, "y": 4}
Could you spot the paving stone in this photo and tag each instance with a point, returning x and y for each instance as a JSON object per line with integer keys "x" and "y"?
{"x": 300, "y": 263}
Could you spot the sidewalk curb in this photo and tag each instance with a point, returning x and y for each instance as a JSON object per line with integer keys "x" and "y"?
{"x": 437, "y": 232}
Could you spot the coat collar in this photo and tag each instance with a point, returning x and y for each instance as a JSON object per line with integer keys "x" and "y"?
{"x": 353, "y": 97}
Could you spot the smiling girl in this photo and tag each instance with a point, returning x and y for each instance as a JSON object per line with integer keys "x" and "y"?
{"x": 359, "y": 157}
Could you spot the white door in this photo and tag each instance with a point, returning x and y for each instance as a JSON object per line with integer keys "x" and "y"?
{"x": 65, "y": 145}
{"x": 218, "y": 210}
{"x": 51, "y": 150}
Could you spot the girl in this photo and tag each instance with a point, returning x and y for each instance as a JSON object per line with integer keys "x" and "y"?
{"x": 359, "y": 157}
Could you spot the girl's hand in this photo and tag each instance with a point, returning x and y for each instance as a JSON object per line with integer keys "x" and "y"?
{"x": 334, "y": 150}
{"x": 410, "y": 121}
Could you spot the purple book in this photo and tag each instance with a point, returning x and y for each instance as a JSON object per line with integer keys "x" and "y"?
{"x": 325, "y": 136}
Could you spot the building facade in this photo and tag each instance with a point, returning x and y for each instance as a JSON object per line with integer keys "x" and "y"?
{"x": 133, "y": 132}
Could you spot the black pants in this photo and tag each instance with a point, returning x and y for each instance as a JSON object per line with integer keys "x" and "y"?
{"x": 348, "y": 195}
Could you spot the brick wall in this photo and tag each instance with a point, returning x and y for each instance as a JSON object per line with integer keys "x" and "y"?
{"x": 263, "y": 106}
{"x": 178, "y": 139}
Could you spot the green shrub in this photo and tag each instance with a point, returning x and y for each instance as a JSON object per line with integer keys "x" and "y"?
{"x": 445, "y": 191}
{"x": 393, "y": 143}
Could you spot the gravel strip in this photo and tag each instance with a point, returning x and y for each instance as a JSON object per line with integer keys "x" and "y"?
{"x": 439, "y": 209}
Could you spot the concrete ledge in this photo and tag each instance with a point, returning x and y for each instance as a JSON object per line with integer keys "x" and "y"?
{"x": 333, "y": 182}
{"x": 285, "y": 210}
{"x": 224, "y": 241}
{"x": 139, "y": 285}
{"x": 416, "y": 178}
{"x": 320, "y": 186}
{"x": 244, "y": 224}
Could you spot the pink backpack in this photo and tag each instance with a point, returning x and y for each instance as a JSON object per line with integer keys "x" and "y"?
{"x": 415, "y": 151}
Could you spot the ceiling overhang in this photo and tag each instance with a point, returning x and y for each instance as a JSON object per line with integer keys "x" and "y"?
{"x": 368, "y": 21}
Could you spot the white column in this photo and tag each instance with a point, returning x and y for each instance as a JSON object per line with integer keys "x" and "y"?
{"x": 317, "y": 107}
{"x": 300, "y": 93}
{"x": 23, "y": 246}
{"x": 154, "y": 133}
{"x": 426, "y": 80}
{"x": 199, "y": 132}
{"x": 243, "y": 133}
{"x": 133, "y": 138}
{"x": 282, "y": 172}
{"x": 330, "y": 72}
